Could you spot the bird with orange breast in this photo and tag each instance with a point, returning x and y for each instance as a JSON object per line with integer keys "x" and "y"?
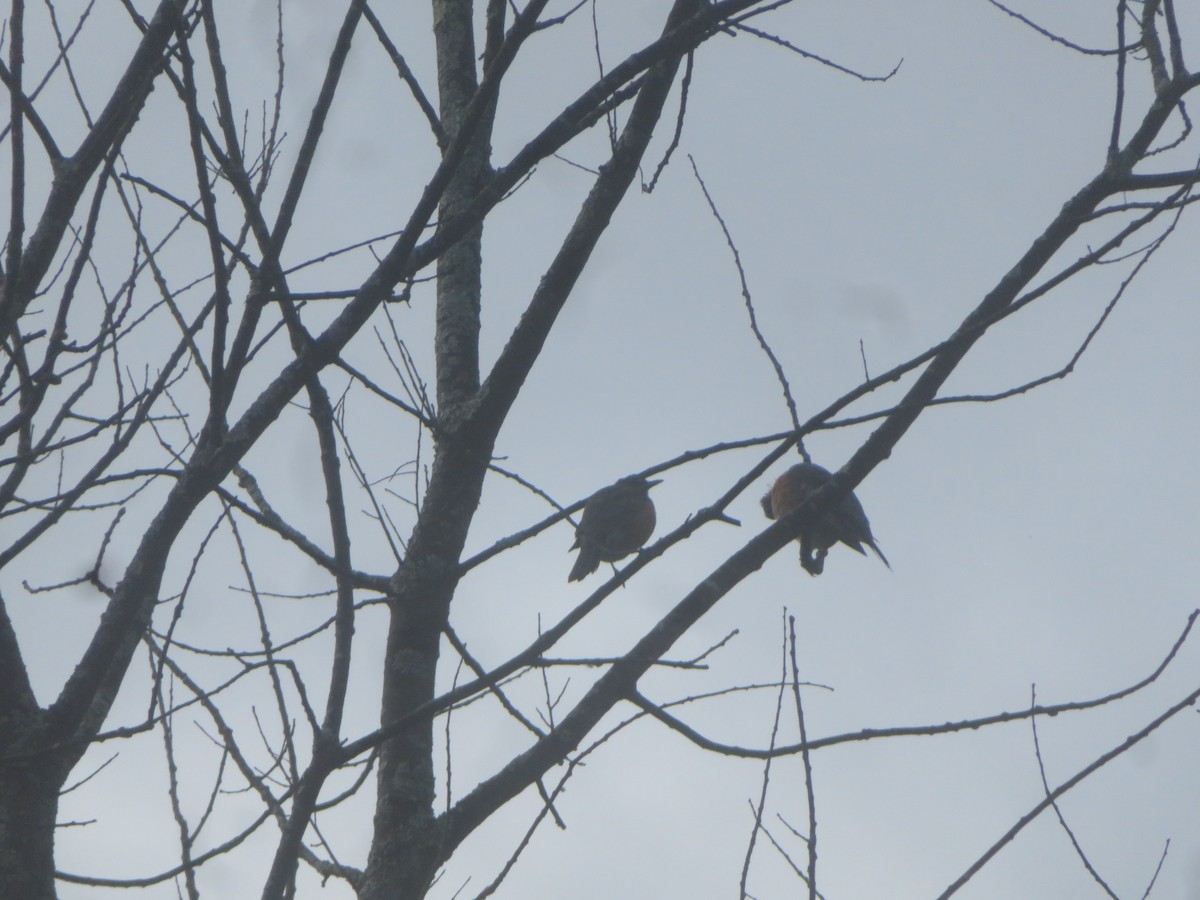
{"x": 616, "y": 521}
{"x": 845, "y": 523}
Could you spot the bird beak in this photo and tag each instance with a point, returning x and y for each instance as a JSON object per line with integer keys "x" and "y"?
{"x": 650, "y": 484}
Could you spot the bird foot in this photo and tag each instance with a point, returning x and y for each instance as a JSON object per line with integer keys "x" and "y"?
{"x": 813, "y": 563}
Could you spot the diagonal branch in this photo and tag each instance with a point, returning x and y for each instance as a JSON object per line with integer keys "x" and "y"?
{"x": 73, "y": 174}
{"x": 1052, "y": 797}
{"x": 622, "y": 677}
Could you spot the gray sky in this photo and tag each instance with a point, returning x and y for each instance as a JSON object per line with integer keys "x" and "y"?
{"x": 1048, "y": 539}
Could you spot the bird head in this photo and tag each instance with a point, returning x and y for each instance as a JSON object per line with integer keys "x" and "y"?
{"x": 639, "y": 481}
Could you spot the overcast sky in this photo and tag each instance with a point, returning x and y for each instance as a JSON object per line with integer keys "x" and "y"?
{"x": 1046, "y": 540}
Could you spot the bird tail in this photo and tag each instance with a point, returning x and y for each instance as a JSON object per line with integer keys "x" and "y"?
{"x": 586, "y": 563}
{"x": 879, "y": 553}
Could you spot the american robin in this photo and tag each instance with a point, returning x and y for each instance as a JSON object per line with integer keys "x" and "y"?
{"x": 616, "y": 521}
{"x": 847, "y": 522}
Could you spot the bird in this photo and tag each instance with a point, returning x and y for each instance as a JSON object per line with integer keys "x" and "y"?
{"x": 616, "y": 521}
{"x": 846, "y": 522}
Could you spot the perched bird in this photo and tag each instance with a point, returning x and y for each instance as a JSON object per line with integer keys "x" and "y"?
{"x": 616, "y": 521}
{"x": 846, "y": 523}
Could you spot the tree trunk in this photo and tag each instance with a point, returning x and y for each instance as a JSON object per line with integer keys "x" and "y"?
{"x": 405, "y": 852}
{"x": 28, "y": 808}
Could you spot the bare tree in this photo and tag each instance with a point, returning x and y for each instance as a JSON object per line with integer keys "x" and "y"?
{"x": 168, "y": 341}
